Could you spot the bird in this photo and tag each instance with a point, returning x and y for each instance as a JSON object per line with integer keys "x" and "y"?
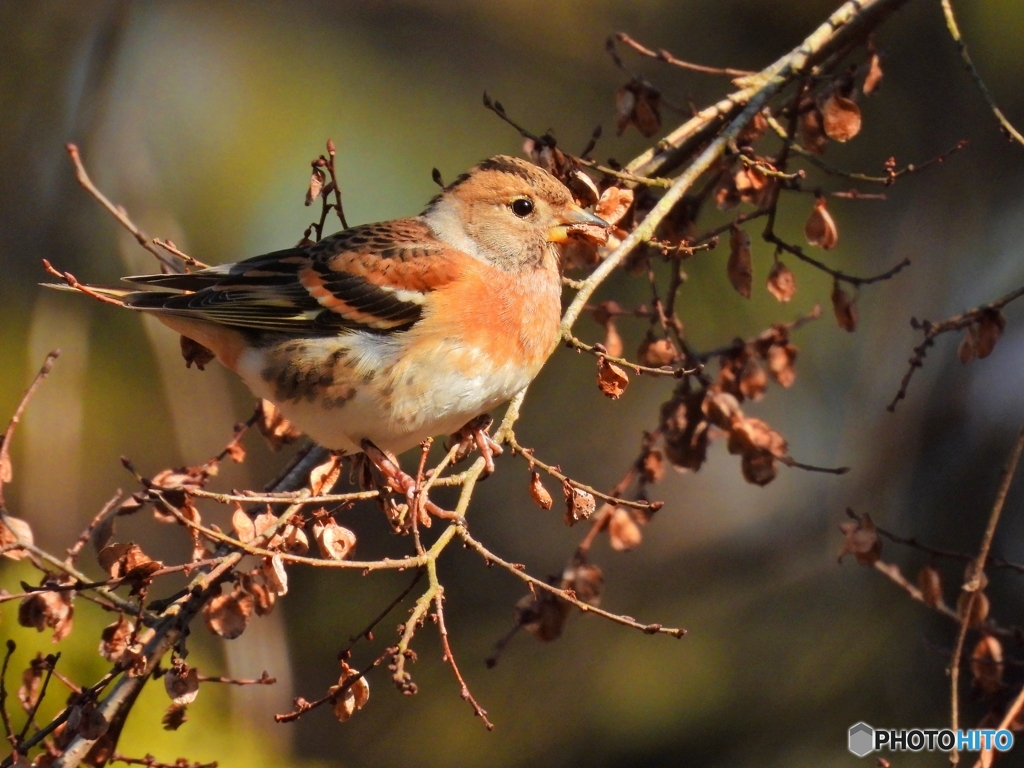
{"x": 382, "y": 335}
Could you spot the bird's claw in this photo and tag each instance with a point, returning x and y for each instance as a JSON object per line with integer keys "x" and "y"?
{"x": 475, "y": 435}
{"x": 402, "y": 482}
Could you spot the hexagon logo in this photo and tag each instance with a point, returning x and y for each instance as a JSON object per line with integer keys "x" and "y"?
{"x": 861, "y": 739}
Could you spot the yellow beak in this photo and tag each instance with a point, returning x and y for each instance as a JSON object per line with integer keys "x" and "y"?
{"x": 575, "y": 217}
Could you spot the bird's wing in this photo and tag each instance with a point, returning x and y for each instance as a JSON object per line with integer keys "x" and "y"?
{"x": 373, "y": 277}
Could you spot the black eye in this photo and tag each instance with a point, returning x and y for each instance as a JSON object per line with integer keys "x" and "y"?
{"x": 522, "y": 207}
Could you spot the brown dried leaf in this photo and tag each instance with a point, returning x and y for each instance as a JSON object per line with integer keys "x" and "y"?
{"x": 542, "y": 616}
{"x": 739, "y": 267}
{"x": 812, "y": 132}
{"x": 228, "y": 615}
{"x": 623, "y": 532}
{"x": 820, "y": 228}
{"x": 539, "y": 493}
{"x": 652, "y": 466}
{"x": 753, "y": 130}
{"x": 334, "y": 541}
{"x": 611, "y": 379}
{"x": 347, "y": 702}
{"x": 194, "y": 352}
{"x": 991, "y": 324}
{"x": 625, "y": 104}
{"x": 114, "y": 639}
{"x": 317, "y": 179}
{"x": 47, "y": 609}
{"x": 585, "y": 580}
{"x": 655, "y": 353}
{"x": 579, "y": 504}
{"x": 781, "y": 282}
{"x": 930, "y": 583}
{"x": 780, "y": 363}
{"x": 721, "y": 408}
{"x": 274, "y": 426}
{"x": 840, "y": 118}
{"x": 323, "y": 478}
{"x": 636, "y": 103}
{"x": 275, "y": 576}
{"x": 685, "y": 430}
{"x": 968, "y": 349}
{"x": 860, "y": 539}
{"x": 32, "y": 682}
{"x": 844, "y": 307}
{"x": 615, "y": 202}
{"x": 612, "y": 339}
{"x": 873, "y": 79}
{"x": 13, "y": 531}
{"x": 753, "y": 380}
{"x": 174, "y": 717}
{"x": 243, "y": 525}
{"x": 749, "y": 434}
{"x": 182, "y": 683}
{"x": 758, "y": 467}
{"x": 295, "y": 540}
{"x": 987, "y": 665}
{"x": 979, "y": 611}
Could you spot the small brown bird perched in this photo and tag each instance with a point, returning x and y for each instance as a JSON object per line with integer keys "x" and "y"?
{"x": 385, "y": 334}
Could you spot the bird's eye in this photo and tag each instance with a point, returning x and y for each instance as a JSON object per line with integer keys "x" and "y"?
{"x": 522, "y": 207}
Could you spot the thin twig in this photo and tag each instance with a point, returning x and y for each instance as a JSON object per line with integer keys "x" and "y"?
{"x": 973, "y": 582}
{"x": 5, "y": 441}
{"x": 663, "y": 55}
{"x": 118, "y": 212}
{"x": 626, "y": 621}
{"x": 450, "y": 658}
{"x": 954, "y": 32}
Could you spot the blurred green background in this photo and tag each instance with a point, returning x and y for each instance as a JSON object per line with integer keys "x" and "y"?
{"x": 201, "y": 118}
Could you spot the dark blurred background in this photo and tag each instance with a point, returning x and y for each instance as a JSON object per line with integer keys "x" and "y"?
{"x": 201, "y": 118}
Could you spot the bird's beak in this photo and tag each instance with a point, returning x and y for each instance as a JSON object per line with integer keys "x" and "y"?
{"x": 575, "y": 217}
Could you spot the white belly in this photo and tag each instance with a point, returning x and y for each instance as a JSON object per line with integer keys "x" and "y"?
{"x": 400, "y": 405}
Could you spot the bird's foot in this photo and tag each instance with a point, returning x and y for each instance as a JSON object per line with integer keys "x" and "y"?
{"x": 402, "y": 482}
{"x": 475, "y": 435}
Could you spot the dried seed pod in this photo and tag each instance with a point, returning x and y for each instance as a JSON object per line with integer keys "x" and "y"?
{"x": 623, "y": 532}
{"x": 991, "y": 324}
{"x": 781, "y": 282}
{"x": 987, "y": 665}
{"x": 316, "y": 184}
{"x": 347, "y": 702}
{"x": 844, "y": 307}
{"x": 979, "y": 608}
{"x": 539, "y": 493}
{"x": 182, "y": 683}
{"x": 334, "y": 541}
{"x": 47, "y": 609}
{"x": 243, "y": 525}
{"x": 13, "y": 530}
{"x": 323, "y": 478}
{"x": 655, "y": 352}
{"x": 579, "y": 504}
{"x": 812, "y": 132}
{"x": 820, "y": 228}
{"x": 780, "y": 359}
{"x": 739, "y": 267}
{"x": 930, "y": 583}
{"x": 542, "y": 616}
{"x": 275, "y": 576}
{"x": 873, "y": 79}
{"x": 114, "y": 639}
{"x": 860, "y": 539}
{"x": 615, "y": 202}
{"x": 758, "y": 467}
{"x": 841, "y": 118}
{"x": 611, "y": 379}
{"x": 228, "y": 615}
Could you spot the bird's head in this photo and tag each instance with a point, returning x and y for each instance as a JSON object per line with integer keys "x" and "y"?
{"x": 507, "y": 211}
